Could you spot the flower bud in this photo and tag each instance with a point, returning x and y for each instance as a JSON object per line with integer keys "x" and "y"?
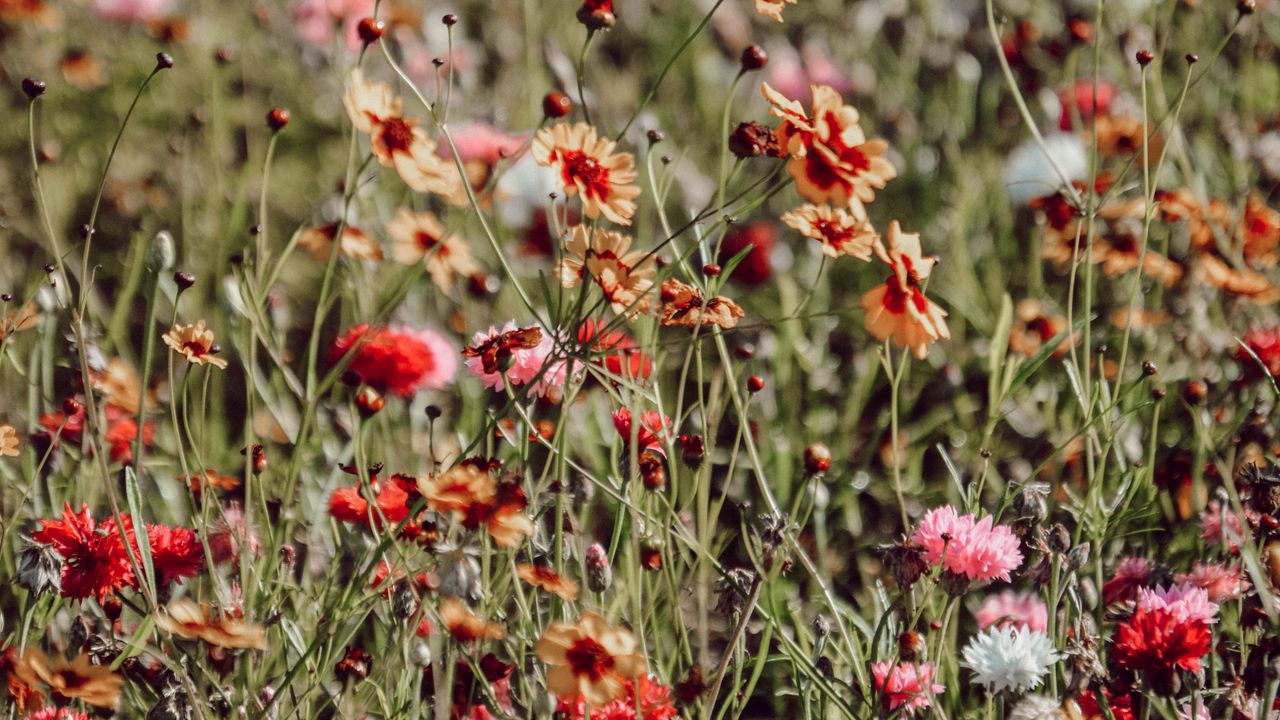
{"x": 277, "y": 118}
{"x": 33, "y": 88}
{"x": 369, "y": 30}
{"x": 1078, "y": 557}
{"x": 370, "y": 402}
{"x": 652, "y": 473}
{"x": 599, "y": 574}
{"x": 161, "y": 255}
{"x": 1059, "y": 538}
{"x": 164, "y": 61}
{"x": 354, "y": 666}
{"x": 184, "y": 280}
{"x": 556, "y": 104}
{"x": 817, "y": 459}
{"x": 754, "y": 58}
{"x": 693, "y": 450}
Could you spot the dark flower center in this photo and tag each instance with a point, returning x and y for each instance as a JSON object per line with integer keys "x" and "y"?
{"x": 590, "y": 658}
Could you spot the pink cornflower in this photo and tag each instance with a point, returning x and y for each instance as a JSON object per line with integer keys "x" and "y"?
{"x": 481, "y": 142}
{"x": 316, "y": 21}
{"x": 1186, "y": 602}
{"x": 1130, "y": 574}
{"x": 978, "y": 549}
{"x": 228, "y": 533}
{"x": 653, "y": 431}
{"x": 1222, "y": 582}
{"x": 905, "y": 686}
{"x": 528, "y": 366}
{"x": 1222, "y": 525}
{"x": 1013, "y": 609}
{"x": 130, "y": 11}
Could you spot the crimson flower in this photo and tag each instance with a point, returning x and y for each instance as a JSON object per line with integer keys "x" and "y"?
{"x": 176, "y": 553}
{"x": 654, "y": 428}
{"x": 398, "y": 360}
{"x": 95, "y": 562}
{"x": 1157, "y": 642}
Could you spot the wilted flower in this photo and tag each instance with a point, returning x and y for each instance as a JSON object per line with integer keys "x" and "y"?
{"x": 39, "y": 569}
{"x": 523, "y": 356}
{"x": 683, "y": 305}
{"x": 1009, "y": 659}
{"x": 589, "y": 167}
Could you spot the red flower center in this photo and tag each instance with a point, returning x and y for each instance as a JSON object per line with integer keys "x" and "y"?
{"x": 396, "y": 135}
{"x": 426, "y": 241}
{"x": 197, "y": 348}
{"x": 832, "y": 233}
{"x": 590, "y": 658}
{"x": 581, "y": 169}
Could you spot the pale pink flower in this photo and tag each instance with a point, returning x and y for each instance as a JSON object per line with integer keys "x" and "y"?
{"x": 527, "y": 366}
{"x": 316, "y": 21}
{"x": 905, "y": 685}
{"x": 1013, "y": 609}
{"x": 228, "y": 533}
{"x": 1186, "y": 602}
{"x": 1222, "y": 582}
{"x": 1130, "y": 574}
{"x": 482, "y": 142}
{"x": 1221, "y": 525}
{"x": 793, "y": 72}
{"x": 978, "y": 549}
{"x": 130, "y": 11}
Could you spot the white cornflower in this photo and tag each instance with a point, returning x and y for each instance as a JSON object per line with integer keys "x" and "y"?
{"x": 1009, "y": 659}
{"x": 1037, "y": 707}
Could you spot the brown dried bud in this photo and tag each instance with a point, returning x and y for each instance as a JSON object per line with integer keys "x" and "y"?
{"x": 751, "y": 139}
{"x": 754, "y": 58}
{"x": 1144, "y": 57}
{"x": 33, "y": 88}
{"x": 652, "y": 474}
{"x": 693, "y": 450}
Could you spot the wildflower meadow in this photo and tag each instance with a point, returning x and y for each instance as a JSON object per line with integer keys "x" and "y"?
{"x": 639, "y": 359}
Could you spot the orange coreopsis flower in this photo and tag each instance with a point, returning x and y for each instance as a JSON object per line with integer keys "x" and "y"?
{"x": 590, "y": 658}
{"x": 544, "y": 578}
{"x": 1261, "y": 230}
{"x": 9, "y": 442}
{"x": 1252, "y": 285}
{"x": 23, "y": 318}
{"x": 195, "y": 343}
{"x": 476, "y": 498}
{"x": 78, "y": 679}
{"x": 625, "y": 276}
{"x": 832, "y": 161}
{"x": 466, "y": 626}
{"x": 421, "y": 238}
{"x": 772, "y": 8}
{"x": 839, "y": 231}
{"x": 356, "y": 243}
{"x": 683, "y": 304}
{"x": 898, "y": 310}
{"x": 398, "y": 142}
{"x": 589, "y": 167}
{"x": 1033, "y": 327}
{"x": 119, "y": 384}
{"x": 189, "y": 619}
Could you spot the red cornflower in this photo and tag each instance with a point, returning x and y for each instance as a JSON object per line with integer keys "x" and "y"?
{"x": 1121, "y": 705}
{"x": 175, "y": 553}
{"x": 122, "y": 429}
{"x": 617, "y": 352}
{"x": 645, "y": 699}
{"x": 1130, "y": 574}
{"x": 654, "y": 429}
{"x": 1265, "y": 344}
{"x": 347, "y": 504}
{"x": 398, "y": 359}
{"x": 95, "y": 562}
{"x": 1156, "y": 641}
